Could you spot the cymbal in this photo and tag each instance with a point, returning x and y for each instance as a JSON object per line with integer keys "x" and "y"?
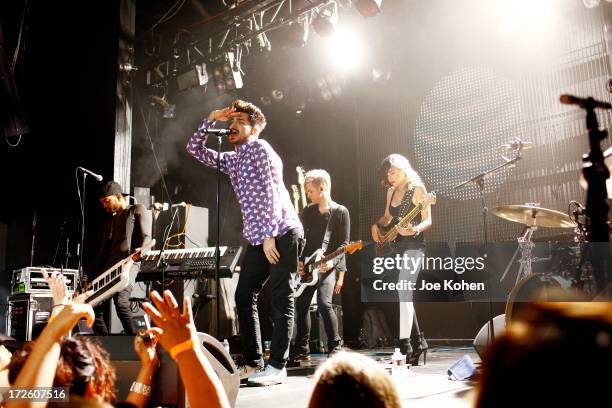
{"x": 534, "y": 216}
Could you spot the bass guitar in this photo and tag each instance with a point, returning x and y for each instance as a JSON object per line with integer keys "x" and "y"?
{"x": 386, "y": 243}
{"x": 314, "y": 261}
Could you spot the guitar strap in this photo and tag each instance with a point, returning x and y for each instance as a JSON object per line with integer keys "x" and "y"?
{"x": 129, "y": 226}
{"x": 328, "y": 228}
{"x": 406, "y": 204}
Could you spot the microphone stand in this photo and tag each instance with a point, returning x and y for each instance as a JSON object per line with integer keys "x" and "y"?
{"x": 218, "y": 230}
{"x": 479, "y": 181}
{"x": 80, "y": 268}
{"x": 33, "y": 239}
{"x": 596, "y": 173}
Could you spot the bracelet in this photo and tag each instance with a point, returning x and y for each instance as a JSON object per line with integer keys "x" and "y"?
{"x": 140, "y": 388}
{"x": 179, "y": 348}
{"x": 416, "y": 232}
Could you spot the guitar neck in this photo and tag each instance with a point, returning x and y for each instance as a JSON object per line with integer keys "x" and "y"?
{"x": 303, "y": 195}
{"x": 330, "y": 256}
{"x": 392, "y": 234}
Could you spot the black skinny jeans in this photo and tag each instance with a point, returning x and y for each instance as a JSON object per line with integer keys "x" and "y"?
{"x": 255, "y": 271}
{"x": 325, "y": 292}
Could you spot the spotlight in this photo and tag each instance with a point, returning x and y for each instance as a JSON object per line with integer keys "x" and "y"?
{"x": 325, "y": 22}
{"x": 368, "y": 8}
{"x": 326, "y": 95}
{"x": 265, "y": 100}
{"x": 196, "y": 76}
{"x": 381, "y": 76}
{"x": 226, "y": 74}
{"x": 297, "y": 34}
{"x": 277, "y": 95}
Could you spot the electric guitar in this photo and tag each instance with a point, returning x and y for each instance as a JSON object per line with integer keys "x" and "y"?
{"x": 301, "y": 177}
{"x": 116, "y": 278}
{"x": 296, "y": 198}
{"x": 314, "y": 261}
{"x": 385, "y": 244}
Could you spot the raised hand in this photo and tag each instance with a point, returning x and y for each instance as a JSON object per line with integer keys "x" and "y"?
{"x": 57, "y": 284}
{"x": 173, "y": 326}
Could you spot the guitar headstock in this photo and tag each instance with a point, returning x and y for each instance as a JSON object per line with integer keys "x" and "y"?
{"x": 296, "y": 192}
{"x": 301, "y": 174}
{"x": 139, "y": 252}
{"x": 354, "y": 246}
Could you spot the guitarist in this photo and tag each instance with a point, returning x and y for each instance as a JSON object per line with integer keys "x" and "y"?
{"x": 128, "y": 228}
{"x": 405, "y": 190}
{"x": 322, "y": 214}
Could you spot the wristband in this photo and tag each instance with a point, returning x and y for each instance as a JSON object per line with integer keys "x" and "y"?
{"x": 140, "y": 388}
{"x": 179, "y": 348}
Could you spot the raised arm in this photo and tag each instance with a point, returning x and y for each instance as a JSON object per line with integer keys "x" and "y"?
{"x": 196, "y": 144}
{"x": 177, "y": 334}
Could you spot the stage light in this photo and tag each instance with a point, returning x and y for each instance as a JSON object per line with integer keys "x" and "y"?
{"x": 297, "y": 34}
{"x": 277, "y": 95}
{"x": 325, "y": 22}
{"x": 226, "y": 74}
{"x": 196, "y": 76}
{"x": 265, "y": 100}
{"x": 344, "y": 50}
{"x": 368, "y": 8}
{"x": 590, "y": 3}
{"x": 380, "y": 75}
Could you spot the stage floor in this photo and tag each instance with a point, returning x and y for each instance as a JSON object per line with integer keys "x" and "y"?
{"x": 420, "y": 387}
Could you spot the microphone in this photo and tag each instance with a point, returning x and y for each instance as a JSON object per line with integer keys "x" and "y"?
{"x": 517, "y": 144}
{"x": 218, "y": 132}
{"x": 181, "y": 204}
{"x": 583, "y": 102}
{"x": 159, "y": 206}
{"x": 91, "y": 173}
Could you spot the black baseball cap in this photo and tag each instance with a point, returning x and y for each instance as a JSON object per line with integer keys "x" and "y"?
{"x": 111, "y": 188}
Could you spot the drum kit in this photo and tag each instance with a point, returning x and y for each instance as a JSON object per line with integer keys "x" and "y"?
{"x": 571, "y": 272}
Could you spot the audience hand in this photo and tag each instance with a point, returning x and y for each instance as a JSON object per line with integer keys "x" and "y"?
{"x": 147, "y": 354}
{"x": 174, "y": 327}
{"x": 57, "y": 284}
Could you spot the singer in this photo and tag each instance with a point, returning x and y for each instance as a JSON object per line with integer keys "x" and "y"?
{"x": 270, "y": 225}
{"x": 127, "y": 229}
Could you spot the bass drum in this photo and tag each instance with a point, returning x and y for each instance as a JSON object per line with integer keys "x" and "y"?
{"x": 532, "y": 288}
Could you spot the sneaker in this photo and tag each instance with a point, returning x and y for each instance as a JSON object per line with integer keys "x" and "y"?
{"x": 247, "y": 371}
{"x": 268, "y": 376}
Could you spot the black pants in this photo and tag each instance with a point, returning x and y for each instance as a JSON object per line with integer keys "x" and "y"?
{"x": 254, "y": 273}
{"x": 325, "y": 292}
{"x": 122, "y": 306}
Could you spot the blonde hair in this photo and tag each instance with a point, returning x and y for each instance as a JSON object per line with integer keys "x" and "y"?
{"x": 400, "y": 162}
{"x": 353, "y": 380}
{"x": 319, "y": 178}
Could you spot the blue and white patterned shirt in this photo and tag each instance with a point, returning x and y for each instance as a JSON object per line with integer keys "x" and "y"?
{"x": 256, "y": 174}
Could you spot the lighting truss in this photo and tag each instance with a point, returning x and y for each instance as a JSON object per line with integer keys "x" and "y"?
{"x": 235, "y": 29}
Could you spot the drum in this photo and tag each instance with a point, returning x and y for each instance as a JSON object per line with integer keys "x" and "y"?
{"x": 535, "y": 287}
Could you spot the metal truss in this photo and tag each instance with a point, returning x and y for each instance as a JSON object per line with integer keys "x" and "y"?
{"x": 237, "y": 30}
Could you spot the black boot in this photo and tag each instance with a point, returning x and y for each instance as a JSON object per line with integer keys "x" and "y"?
{"x": 420, "y": 347}
{"x": 406, "y": 348}
{"x": 334, "y": 347}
